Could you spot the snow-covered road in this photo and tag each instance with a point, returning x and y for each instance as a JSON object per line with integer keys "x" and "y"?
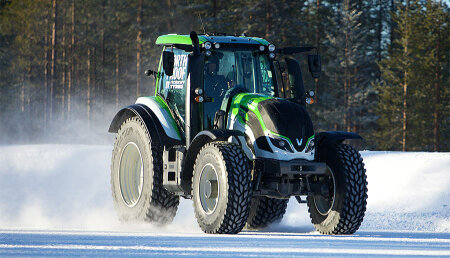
{"x": 55, "y": 200}
{"x": 244, "y": 244}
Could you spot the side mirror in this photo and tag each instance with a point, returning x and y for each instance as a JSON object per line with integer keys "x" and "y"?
{"x": 168, "y": 62}
{"x": 315, "y": 65}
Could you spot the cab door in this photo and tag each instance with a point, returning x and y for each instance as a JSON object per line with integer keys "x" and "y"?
{"x": 173, "y": 88}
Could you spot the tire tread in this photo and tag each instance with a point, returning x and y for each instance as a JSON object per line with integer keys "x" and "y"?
{"x": 239, "y": 189}
{"x": 163, "y": 205}
{"x": 355, "y": 199}
{"x": 265, "y": 211}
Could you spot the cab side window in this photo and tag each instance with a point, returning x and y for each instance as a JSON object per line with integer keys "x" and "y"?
{"x": 266, "y": 76}
{"x": 173, "y": 88}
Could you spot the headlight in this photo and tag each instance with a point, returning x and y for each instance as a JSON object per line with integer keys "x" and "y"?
{"x": 310, "y": 147}
{"x": 272, "y": 55}
{"x": 261, "y": 48}
{"x": 207, "y": 45}
{"x": 208, "y": 52}
{"x": 280, "y": 143}
{"x": 271, "y": 47}
{"x": 217, "y": 45}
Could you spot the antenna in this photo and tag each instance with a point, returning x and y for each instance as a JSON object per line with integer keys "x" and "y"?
{"x": 203, "y": 26}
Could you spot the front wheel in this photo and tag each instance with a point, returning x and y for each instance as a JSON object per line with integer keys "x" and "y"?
{"x": 221, "y": 188}
{"x": 341, "y": 210}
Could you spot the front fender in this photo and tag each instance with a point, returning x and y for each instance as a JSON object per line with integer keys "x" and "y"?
{"x": 325, "y": 140}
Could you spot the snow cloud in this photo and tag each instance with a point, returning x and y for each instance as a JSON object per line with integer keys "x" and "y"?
{"x": 67, "y": 187}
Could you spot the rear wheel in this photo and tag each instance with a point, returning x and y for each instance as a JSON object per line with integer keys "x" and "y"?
{"x": 265, "y": 211}
{"x": 136, "y": 177}
{"x": 221, "y": 188}
{"x": 341, "y": 210}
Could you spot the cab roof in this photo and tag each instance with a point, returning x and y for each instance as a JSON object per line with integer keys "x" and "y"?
{"x": 171, "y": 39}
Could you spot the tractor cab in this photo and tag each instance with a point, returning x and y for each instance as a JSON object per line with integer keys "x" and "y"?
{"x": 224, "y": 63}
{"x": 199, "y": 80}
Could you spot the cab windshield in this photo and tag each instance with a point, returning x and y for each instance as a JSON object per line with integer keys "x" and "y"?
{"x": 231, "y": 68}
{"x": 248, "y": 69}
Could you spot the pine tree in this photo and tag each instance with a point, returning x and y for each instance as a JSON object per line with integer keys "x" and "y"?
{"x": 347, "y": 63}
{"x": 412, "y": 76}
{"x": 431, "y": 96}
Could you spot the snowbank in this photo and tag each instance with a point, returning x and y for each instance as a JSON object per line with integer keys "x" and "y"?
{"x": 66, "y": 187}
{"x": 407, "y": 191}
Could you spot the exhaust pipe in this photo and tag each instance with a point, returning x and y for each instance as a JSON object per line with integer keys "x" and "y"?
{"x": 195, "y": 44}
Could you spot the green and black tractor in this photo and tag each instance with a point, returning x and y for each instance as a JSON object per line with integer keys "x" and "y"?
{"x": 229, "y": 131}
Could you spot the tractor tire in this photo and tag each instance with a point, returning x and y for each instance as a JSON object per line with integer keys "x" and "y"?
{"x": 221, "y": 188}
{"x": 136, "y": 177}
{"x": 343, "y": 211}
{"x": 265, "y": 211}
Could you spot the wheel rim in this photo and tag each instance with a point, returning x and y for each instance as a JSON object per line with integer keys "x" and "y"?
{"x": 324, "y": 205}
{"x": 131, "y": 174}
{"x": 209, "y": 189}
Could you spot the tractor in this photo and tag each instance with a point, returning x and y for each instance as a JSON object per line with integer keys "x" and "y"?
{"x": 226, "y": 129}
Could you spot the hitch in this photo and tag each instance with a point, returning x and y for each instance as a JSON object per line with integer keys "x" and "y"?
{"x": 281, "y": 179}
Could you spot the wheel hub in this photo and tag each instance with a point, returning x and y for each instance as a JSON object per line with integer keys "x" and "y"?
{"x": 131, "y": 174}
{"x": 325, "y": 201}
{"x": 209, "y": 188}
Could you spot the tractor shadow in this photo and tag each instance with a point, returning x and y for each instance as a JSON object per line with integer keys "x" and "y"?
{"x": 282, "y": 228}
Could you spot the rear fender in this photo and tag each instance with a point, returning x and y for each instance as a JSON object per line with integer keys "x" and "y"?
{"x": 160, "y": 109}
{"x": 158, "y": 121}
{"x": 325, "y": 140}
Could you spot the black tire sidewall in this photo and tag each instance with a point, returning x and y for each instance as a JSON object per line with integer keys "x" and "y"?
{"x": 210, "y": 155}
{"x": 132, "y": 131}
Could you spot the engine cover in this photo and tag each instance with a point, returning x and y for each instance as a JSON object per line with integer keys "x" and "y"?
{"x": 277, "y": 128}
{"x": 288, "y": 119}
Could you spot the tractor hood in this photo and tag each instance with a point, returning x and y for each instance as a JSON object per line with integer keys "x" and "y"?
{"x": 275, "y": 126}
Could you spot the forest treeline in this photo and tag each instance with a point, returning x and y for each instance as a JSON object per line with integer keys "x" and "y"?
{"x": 66, "y": 66}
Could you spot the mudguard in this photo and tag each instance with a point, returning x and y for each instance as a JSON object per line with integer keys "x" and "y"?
{"x": 197, "y": 143}
{"x": 324, "y": 140}
{"x": 156, "y": 117}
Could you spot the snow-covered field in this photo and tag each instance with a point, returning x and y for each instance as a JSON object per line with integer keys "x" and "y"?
{"x": 55, "y": 200}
